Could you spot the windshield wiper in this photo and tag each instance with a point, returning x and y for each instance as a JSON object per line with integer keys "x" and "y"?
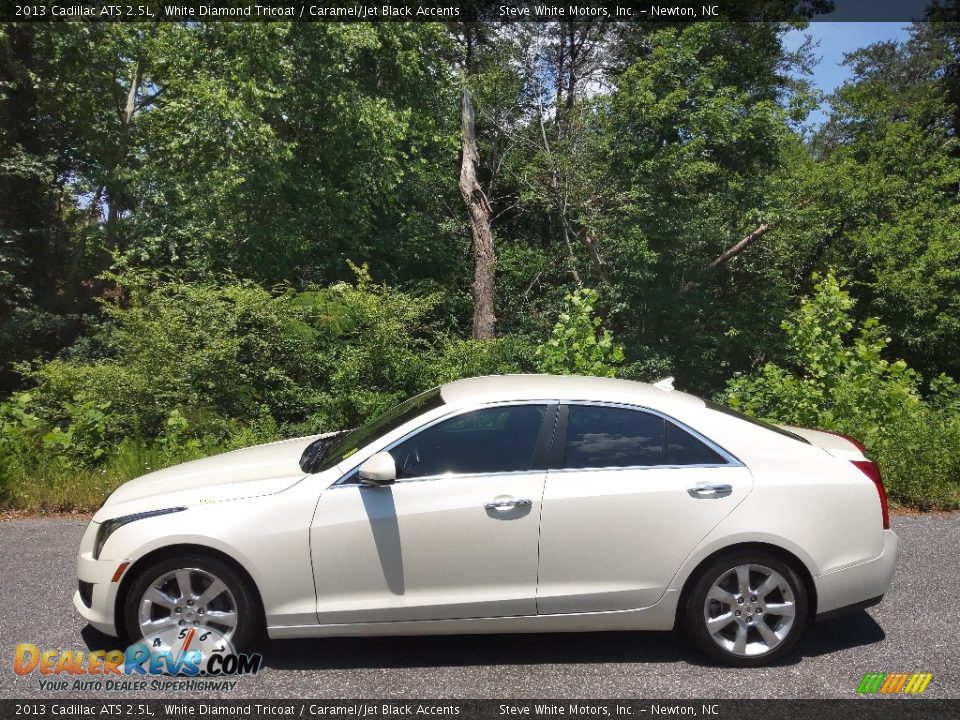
{"x": 314, "y": 453}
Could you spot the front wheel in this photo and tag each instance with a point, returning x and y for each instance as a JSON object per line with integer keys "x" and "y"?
{"x": 746, "y": 609}
{"x": 192, "y": 591}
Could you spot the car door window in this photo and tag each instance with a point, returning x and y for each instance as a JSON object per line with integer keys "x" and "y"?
{"x": 610, "y": 437}
{"x": 604, "y": 437}
{"x": 491, "y": 440}
{"x": 682, "y": 448}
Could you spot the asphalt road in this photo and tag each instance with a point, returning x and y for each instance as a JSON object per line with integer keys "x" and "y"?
{"x": 916, "y": 628}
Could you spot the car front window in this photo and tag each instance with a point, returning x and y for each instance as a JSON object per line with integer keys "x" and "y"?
{"x": 486, "y": 441}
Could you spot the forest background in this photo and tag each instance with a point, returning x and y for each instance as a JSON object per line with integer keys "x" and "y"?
{"x": 219, "y": 234}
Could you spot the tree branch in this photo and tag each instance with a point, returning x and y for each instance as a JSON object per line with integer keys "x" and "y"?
{"x": 733, "y": 250}
{"x": 741, "y": 245}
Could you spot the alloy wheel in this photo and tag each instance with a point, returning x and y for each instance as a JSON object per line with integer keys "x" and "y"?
{"x": 188, "y": 597}
{"x": 749, "y": 610}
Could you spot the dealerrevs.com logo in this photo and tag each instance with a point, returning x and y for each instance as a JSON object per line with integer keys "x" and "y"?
{"x": 894, "y": 683}
{"x": 189, "y": 653}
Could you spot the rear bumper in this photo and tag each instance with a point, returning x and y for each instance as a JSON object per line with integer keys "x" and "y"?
{"x": 860, "y": 585}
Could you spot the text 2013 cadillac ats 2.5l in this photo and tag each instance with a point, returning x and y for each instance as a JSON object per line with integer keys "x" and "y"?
{"x": 520, "y": 503}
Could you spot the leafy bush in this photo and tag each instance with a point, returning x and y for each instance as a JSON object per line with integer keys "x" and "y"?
{"x": 178, "y": 371}
{"x": 840, "y": 381}
{"x": 574, "y": 348}
{"x": 182, "y": 370}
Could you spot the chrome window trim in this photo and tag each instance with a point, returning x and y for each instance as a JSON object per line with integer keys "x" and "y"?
{"x": 732, "y": 460}
{"x": 343, "y": 480}
{"x": 617, "y": 468}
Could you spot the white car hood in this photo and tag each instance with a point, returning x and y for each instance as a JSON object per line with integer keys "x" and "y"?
{"x": 253, "y": 471}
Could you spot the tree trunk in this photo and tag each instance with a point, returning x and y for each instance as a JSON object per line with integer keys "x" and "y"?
{"x": 115, "y": 191}
{"x": 478, "y": 208}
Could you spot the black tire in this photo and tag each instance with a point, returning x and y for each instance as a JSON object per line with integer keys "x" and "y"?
{"x": 752, "y": 613}
{"x": 250, "y": 619}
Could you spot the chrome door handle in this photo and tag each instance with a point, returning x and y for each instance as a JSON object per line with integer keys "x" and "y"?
{"x": 710, "y": 491}
{"x": 507, "y": 503}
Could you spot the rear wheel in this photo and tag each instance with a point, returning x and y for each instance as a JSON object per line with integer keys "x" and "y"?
{"x": 195, "y": 591}
{"x": 747, "y": 608}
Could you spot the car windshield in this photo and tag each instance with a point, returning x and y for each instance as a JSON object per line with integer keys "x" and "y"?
{"x": 750, "y": 419}
{"x": 323, "y": 453}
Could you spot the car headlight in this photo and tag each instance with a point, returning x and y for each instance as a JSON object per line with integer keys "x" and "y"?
{"x": 109, "y": 527}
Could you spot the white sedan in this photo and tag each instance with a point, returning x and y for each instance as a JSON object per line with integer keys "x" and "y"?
{"x": 521, "y": 503}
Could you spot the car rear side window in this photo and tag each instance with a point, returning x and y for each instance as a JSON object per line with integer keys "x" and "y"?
{"x": 602, "y": 437}
{"x": 491, "y": 440}
{"x": 682, "y": 448}
{"x": 611, "y": 437}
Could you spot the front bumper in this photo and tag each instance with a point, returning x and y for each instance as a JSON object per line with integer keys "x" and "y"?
{"x": 100, "y": 574}
{"x": 858, "y": 585}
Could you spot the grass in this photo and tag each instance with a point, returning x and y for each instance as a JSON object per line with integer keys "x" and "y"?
{"x": 52, "y": 486}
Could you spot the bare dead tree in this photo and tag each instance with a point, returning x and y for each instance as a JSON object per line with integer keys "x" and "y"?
{"x": 481, "y": 218}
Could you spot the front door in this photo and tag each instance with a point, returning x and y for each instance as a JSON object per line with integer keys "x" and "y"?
{"x": 455, "y": 537}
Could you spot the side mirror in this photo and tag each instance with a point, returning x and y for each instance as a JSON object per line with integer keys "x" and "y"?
{"x": 379, "y": 469}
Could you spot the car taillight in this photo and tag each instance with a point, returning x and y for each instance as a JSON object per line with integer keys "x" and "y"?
{"x": 870, "y": 469}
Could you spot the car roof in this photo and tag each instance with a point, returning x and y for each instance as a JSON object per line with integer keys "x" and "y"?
{"x": 500, "y": 388}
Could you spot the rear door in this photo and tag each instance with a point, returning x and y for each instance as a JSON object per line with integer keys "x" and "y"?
{"x": 629, "y": 495}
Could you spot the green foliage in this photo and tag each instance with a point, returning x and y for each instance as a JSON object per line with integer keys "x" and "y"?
{"x": 256, "y": 158}
{"x": 471, "y": 358}
{"x": 696, "y": 152}
{"x": 838, "y": 375}
{"x": 578, "y": 344}
{"x": 887, "y": 192}
{"x": 179, "y": 370}
{"x": 234, "y": 354}
{"x": 840, "y": 381}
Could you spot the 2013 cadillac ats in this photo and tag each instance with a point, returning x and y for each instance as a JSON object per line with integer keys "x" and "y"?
{"x": 521, "y": 503}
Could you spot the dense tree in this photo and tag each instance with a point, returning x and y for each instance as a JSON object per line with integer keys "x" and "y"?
{"x": 890, "y": 165}
{"x": 181, "y": 205}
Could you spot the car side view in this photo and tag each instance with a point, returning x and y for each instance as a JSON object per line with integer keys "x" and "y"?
{"x": 519, "y": 503}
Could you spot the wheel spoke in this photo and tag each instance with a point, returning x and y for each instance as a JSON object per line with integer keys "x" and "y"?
{"x": 769, "y": 636}
{"x": 158, "y": 597}
{"x": 743, "y": 579}
{"x": 155, "y": 626}
{"x": 715, "y": 625}
{"x": 720, "y": 595}
{"x": 785, "y": 609}
{"x": 215, "y": 589}
{"x": 740, "y": 644}
{"x": 768, "y": 585}
{"x": 221, "y": 617}
{"x": 183, "y": 582}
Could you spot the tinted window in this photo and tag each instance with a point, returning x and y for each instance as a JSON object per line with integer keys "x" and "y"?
{"x": 600, "y": 437}
{"x": 326, "y": 452}
{"x": 491, "y": 440}
{"x": 684, "y": 449}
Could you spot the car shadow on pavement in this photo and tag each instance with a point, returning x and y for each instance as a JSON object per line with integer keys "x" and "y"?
{"x": 855, "y": 630}
{"x": 96, "y": 640}
{"x": 843, "y": 633}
